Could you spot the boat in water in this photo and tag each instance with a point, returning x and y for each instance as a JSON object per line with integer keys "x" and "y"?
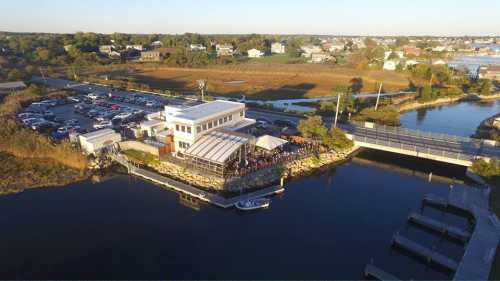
{"x": 253, "y": 204}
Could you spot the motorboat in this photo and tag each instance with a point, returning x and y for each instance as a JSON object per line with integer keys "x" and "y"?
{"x": 253, "y": 204}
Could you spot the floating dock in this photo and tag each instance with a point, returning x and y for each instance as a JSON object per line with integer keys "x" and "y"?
{"x": 377, "y": 273}
{"x": 424, "y": 252}
{"x": 435, "y": 225}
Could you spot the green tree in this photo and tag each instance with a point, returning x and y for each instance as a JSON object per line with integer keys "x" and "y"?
{"x": 336, "y": 139}
{"x": 313, "y": 128}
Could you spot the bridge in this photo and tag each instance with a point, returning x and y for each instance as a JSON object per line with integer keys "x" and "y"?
{"x": 439, "y": 147}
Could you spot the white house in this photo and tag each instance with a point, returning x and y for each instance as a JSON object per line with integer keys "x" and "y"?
{"x": 399, "y": 54}
{"x": 156, "y": 44}
{"x": 135, "y": 47}
{"x": 320, "y": 57}
{"x": 190, "y": 124}
{"x": 411, "y": 63}
{"x": 391, "y": 65}
{"x": 197, "y": 47}
{"x": 277, "y": 48}
{"x": 224, "y": 50}
{"x": 254, "y": 53}
{"x": 94, "y": 142}
{"x": 150, "y": 128}
{"x": 439, "y": 62}
{"x": 106, "y": 49}
{"x": 308, "y": 50}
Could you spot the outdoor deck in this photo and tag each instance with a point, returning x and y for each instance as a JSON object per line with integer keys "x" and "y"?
{"x": 194, "y": 191}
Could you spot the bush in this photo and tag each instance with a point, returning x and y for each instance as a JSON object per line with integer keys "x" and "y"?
{"x": 385, "y": 116}
{"x": 336, "y": 139}
{"x": 487, "y": 169}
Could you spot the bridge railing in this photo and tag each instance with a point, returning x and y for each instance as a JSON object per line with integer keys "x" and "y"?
{"x": 415, "y": 133}
{"x": 397, "y": 144}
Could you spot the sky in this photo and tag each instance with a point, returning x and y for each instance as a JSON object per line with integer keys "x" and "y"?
{"x": 334, "y": 17}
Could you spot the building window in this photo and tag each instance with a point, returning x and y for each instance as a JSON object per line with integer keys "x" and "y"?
{"x": 220, "y": 121}
{"x": 215, "y": 123}
{"x": 198, "y": 129}
{"x": 225, "y": 119}
{"x": 210, "y": 125}
{"x": 183, "y": 129}
{"x": 204, "y": 127}
{"x": 241, "y": 113}
{"x": 230, "y": 117}
{"x": 189, "y": 130}
{"x": 177, "y": 127}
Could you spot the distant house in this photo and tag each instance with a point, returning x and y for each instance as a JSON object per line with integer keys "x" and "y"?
{"x": 399, "y": 54}
{"x": 442, "y": 49}
{"x": 197, "y": 47}
{"x": 254, "y": 53}
{"x": 334, "y": 46}
{"x": 490, "y": 72}
{"x": 411, "y": 63}
{"x": 9, "y": 87}
{"x": 224, "y": 50}
{"x": 308, "y": 50}
{"x": 135, "y": 47}
{"x": 157, "y": 44}
{"x": 106, "y": 49}
{"x": 154, "y": 55}
{"x": 320, "y": 57}
{"x": 277, "y": 48}
{"x": 67, "y": 47}
{"x": 93, "y": 143}
{"x": 439, "y": 62}
{"x": 412, "y": 51}
{"x": 391, "y": 65}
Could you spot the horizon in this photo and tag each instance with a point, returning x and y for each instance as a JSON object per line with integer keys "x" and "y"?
{"x": 217, "y": 17}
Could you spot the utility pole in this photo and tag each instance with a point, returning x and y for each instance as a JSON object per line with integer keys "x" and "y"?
{"x": 337, "y": 110}
{"x": 202, "y": 85}
{"x": 378, "y": 96}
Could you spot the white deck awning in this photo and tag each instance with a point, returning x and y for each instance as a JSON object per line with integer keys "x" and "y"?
{"x": 216, "y": 146}
{"x": 269, "y": 142}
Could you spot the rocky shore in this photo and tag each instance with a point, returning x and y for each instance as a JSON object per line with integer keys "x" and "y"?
{"x": 414, "y": 104}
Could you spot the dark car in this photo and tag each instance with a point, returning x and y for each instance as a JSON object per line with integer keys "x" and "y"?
{"x": 285, "y": 123}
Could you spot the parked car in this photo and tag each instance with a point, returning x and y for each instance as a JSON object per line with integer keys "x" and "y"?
{"x": 285, "y": 123}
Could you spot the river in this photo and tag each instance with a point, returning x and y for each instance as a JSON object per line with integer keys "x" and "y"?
{"x": 328, "y": 225}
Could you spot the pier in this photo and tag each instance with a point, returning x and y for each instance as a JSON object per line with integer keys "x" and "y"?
{"x": 377, "y": 273}
{"x": 192, "y": 191}
{"x": 424, "y": 252}
{"x": 435, "y": 225}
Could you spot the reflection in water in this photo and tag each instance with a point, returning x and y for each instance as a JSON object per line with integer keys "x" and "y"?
{"x": 421, "y": 113}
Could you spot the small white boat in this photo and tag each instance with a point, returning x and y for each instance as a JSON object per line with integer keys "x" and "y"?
{"x": 253, "y": 204}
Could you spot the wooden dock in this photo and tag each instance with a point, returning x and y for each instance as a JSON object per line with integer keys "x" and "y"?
{"x": 377, "y": 273}
{"x": 195, "y": 192}
{"x": 424, "y": 252}
{"x": 443, "y": 228}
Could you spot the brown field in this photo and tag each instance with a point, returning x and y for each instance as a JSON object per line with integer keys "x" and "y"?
{"x": 263, "y": 80}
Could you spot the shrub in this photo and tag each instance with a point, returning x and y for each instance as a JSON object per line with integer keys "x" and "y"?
{"x": 385, "y": 115}
{"x": 486, "y": 169}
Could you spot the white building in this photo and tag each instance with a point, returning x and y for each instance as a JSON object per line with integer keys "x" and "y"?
{"x": 254, "y": 53}
{"x": 135, "y": 47}
{"x": 439, "y": 62}
{"x": 106, "y": 49}
{"x": 94, "y": 142}
{"x": 197, "y": 47}
{"x": 224, "y": 50}
{"x": 320, "y": 57}
{"x": 151, "y": 128}
{"x": 399, "y": 54}
{"x": 277, "y": 48}
{"x": 190, "y": 124}
{"x": 391, "y": 65}
{"x": 308, "y": 50}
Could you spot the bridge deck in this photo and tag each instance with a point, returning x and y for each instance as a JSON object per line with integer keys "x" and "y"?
{"x": 430, "y": 223}
{"x": 377, "y": 273}
{"x": 428, "y": 254}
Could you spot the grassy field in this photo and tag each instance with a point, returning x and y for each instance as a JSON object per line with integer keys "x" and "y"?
{"x": 261, "y": 79}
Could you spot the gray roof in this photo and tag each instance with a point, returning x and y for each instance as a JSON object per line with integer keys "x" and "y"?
{"x": 12, "y": 85}
{"x": 205, "y": 110}
{"x": 216, "y": 146}
{"x": 97, "y": 134}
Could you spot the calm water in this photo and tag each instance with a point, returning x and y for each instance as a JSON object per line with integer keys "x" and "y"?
{"x": 325, "y": 226}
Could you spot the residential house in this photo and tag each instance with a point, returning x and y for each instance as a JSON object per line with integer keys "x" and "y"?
{"x": 411, "y": 63}
{"x": 399, "y": 54}
{"x": 391, "y": 65}
{"x": 277, "y": 48}
{"x": 135, "y": 47}
{"x": 224, "y": 50}
{"x": 9, "y": 87}
{"x": 308, "y": 50}
{"x": 156, "y": 44}
{"x": 439, "y": 62}
{"x": 334, "y": 46}
{"x": 320, "y": 57}
{"x": 410, "y": 50}
{"x": 197, "y": 48}
{"x": 490, "y": 72}
{"x": 156, "y": 54}
{"x": 68, "y": 47}
{"x": 254, "y": 53}
{"x": 94, "y": 142}
{"x": 106, "y": 49}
